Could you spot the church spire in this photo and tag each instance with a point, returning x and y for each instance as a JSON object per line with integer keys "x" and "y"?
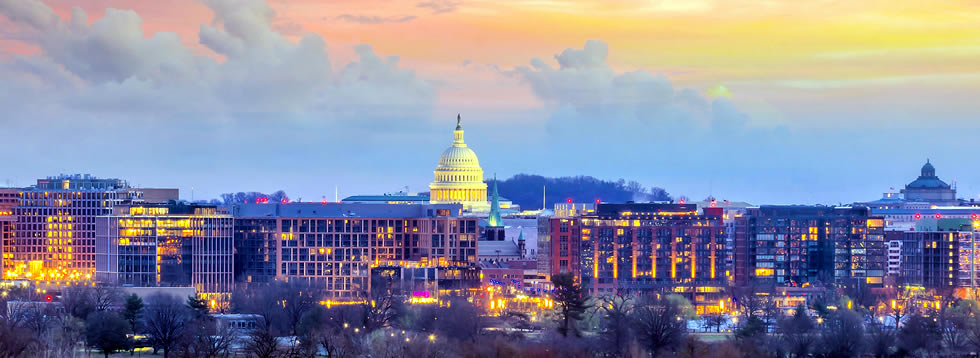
{"x": 495, "y": 219}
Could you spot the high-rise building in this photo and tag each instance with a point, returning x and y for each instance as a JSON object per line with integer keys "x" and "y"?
{"x": 54, "y": 235}
{"x": 8, "y": 200}
{"x": 793, "y": 245}
{"x": 459, "y": 177}
{"x": 644, "y": 248}
{"x": 167, "y": 245}
{"x": 334, "y": 246}
{"x": 945, "y": 258}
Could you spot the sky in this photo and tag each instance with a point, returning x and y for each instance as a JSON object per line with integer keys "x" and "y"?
{"x": 761, "y": 101}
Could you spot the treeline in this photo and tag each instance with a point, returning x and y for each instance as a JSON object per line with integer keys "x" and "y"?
{"x": 104, "y": 319}
{"x": 832, "y": 324}
{"x": 526, "y": 190}
{"x": 251, "y": 197}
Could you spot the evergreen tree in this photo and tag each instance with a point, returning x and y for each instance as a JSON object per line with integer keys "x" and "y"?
{"x": 133, "y": 313}
{"x": 571, "y": 301}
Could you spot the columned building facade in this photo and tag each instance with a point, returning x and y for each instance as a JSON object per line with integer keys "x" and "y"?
{"x": 459, "y": 177}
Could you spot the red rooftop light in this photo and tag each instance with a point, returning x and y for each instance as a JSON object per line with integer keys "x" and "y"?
{"x": 569, "y": 200}
{"x": 918, "y": 216}
{"x": 939, "y": 216}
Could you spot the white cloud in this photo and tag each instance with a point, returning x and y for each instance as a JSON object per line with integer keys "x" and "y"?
{"x": 590, "y": 98}
{"x": 110, "y": 67}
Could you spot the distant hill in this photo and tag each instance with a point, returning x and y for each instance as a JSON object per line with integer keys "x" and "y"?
{"x": 526, "y": 190}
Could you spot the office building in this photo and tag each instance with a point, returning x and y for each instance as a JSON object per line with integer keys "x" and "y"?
{"x": 795, "y": 245}
{"x": 167, "y": 245}
{"x": 943, "y": 259}
{"x": 334, "y": 246}
{"x": 54, "y": 235}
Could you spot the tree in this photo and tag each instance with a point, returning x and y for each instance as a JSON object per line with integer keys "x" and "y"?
{"x": 919, "y": 334}
{"x": 166, "y": 317}
{"x": 204, "y": 338}
{"x": 78, "y": 301}
{"x": 383, "y": 307}
{"x": 198, "y": 306}
{"x": 843, "y": 334}
{"x": 972, "y": 327}
{"x": 67, "y": 332}
{"x": 106, "y": 331}
{"x": 133, "y": 313}
{"x": 614, "y": 335}
{"x": 900, "y": 307}
{"x": 262, "y": 344}
{"x": 713, "y": 320}
{"x": 952, "y": 317}
{"x": 659, "y": 325}
{"x": 683, "y": 304}
{"x": 14, "y": 338}
{"x": 297, "y": 300}
{"x": 570, "y": 300}
{"x": 881, "y": 340}
{"x": 798, "y": 332}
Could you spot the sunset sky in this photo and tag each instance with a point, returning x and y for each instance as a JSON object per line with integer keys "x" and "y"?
{"x": 760, "y": 101}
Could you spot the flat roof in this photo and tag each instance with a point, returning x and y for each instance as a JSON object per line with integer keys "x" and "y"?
{"x": 336, "y": 210}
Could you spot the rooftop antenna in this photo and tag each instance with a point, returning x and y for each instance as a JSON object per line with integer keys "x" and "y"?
{"x": 544, "y": 196}
{"x": 336, "y": 194}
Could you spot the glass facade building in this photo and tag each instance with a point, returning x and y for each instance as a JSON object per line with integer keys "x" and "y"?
{"x": 334, "y": 246}
{"x": 167, "y": 246}
{"x": 54, "y": 232}
{"x": 793, "y": 245}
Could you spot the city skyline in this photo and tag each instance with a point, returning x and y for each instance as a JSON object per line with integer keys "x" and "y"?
{"x": 283, "y": 95}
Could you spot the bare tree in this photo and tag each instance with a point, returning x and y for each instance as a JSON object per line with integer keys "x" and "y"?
{"x": 262, "y": 343}
{"x": 659, "y": 326}
{"x": 615, "y": 335}
{"x": 205, "y": 338}
{"x": 14, "y": 338}
{"x": 798, "y": 333}
{"x": 166, "y": 317}
{"x": 843, "y": 335}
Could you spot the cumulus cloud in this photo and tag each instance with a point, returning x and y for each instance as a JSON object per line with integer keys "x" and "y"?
{"x": 589, "y": 97}
{"x": 440, "y": 6}
{"x": 374, "y": 20}
{"x": 110, "y": 66}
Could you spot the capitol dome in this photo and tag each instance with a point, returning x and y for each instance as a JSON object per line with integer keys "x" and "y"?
{"x": 458, "y": 177}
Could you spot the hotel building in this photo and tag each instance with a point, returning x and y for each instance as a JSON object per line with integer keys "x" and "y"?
{"x": 172, "y": 245}
{"x": 54, "y": 233}
{"x": 793, "y": 245}
{"x": 644, "y": 248}
{"x": 334, "y": 246}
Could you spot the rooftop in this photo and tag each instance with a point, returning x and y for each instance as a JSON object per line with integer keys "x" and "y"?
{"x": 336, "y": 210}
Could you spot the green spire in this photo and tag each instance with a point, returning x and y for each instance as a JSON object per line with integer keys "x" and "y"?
{"x": 494, "y": 219}
{"x": 521, "y": 237}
